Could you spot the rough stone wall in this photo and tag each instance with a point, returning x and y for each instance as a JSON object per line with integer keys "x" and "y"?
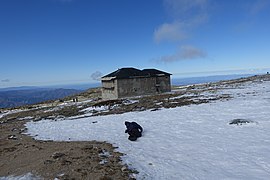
{"x": 114, "y": 89}
{"x": 163, "y": 84}
{"x": 109, "y": 90}
{"x": 136, "y": 86}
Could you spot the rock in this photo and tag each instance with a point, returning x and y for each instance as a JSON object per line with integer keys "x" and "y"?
{"x": 124, "y": 168}
{"x": 9, "y": 149}
{"x": 48, "y": 161}
{"x": 240, "y": 121}
{"x": 13, "y": 137}
{"x": 103, "y": 161}
{"x": 22, "y": 130}
{"x": 88, "y": 147}
{"x": 155, "y": 109}
{"x": 14, "y": 129}
{"x": 97, "y": 149}
{"x": 57, "y": 155}
{"x": 65, "y": 162}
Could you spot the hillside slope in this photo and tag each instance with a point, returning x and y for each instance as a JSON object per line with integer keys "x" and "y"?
{"x": 14, "y": 98}
{"x": 191, "y": 122}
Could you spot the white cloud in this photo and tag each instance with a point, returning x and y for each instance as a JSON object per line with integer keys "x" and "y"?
{"x": 178, "y": 31}
{"x": 170, "y": 32}
{"x": 183, "y": 53}
{"x": 96, "y": 76}
{"x": 186, "y": 14}
{"x": 5, "y": 80}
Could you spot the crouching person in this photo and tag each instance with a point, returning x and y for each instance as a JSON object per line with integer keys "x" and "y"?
{"x": 134, "y": 130}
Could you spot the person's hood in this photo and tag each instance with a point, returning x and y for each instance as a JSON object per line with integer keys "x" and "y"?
{"x": 127, "y": 123}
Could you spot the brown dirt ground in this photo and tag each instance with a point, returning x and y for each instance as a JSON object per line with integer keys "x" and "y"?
{"x": 21, "y": 154}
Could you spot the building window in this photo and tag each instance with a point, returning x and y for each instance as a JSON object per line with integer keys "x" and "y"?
{"x": 108, "y": 88}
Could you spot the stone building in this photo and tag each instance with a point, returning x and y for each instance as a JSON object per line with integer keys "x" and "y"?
{"x": 127, "y": 82}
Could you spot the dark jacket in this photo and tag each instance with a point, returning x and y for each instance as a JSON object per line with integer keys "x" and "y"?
{"x": 133, "y": 126}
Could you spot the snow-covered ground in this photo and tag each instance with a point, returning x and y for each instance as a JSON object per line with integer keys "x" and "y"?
{"x": 7, "y": 112}
{"x": 189, "y": 142}
{"x": 27, "y": 176}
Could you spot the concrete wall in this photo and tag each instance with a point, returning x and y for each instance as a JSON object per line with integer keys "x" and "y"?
{"x": 143, "y": 86}
{"x": 109, "y": 89}
{"x": 119, "y": 88}
{"x": 136, "y": 86}
{"x": 163, "y": 84}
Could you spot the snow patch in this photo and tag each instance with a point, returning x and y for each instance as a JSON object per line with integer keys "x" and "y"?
{"x": 27, "y": 176}
{"x": 189, "y": 142}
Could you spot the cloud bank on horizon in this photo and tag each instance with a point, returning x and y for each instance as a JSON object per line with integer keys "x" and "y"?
{"x": 5, "y": 80}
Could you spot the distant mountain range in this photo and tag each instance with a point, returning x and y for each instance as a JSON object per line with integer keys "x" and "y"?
{"x": 66, "y": 86}
{"x": 17, "y": 96}
{"x": 12, "y": 97}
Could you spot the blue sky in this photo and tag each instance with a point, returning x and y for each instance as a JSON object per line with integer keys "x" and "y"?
{"x": 45, "y": 42}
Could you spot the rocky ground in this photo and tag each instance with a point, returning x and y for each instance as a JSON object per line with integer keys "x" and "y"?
{"x": 21, "y": 154}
